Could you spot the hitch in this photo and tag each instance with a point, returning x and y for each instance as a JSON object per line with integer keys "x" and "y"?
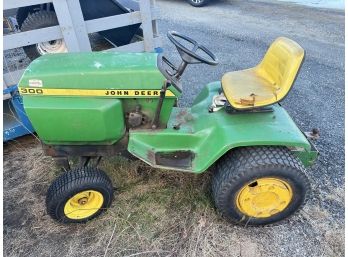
{"x": 314, "y": 134}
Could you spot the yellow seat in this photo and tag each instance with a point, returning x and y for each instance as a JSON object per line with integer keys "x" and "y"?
{"x": 268, "y": 82}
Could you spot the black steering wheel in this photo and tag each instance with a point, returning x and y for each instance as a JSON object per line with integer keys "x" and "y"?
{"x": 190, "y": 56}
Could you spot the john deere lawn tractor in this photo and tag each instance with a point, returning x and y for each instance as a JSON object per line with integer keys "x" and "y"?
{"x": 90, "y": 105}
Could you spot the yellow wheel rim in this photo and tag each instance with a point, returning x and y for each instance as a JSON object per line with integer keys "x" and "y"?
{"x": 83, "y": 204}
{"x": 264, "y": 197}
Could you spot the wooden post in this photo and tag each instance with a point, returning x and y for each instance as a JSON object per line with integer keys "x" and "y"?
{"x": 79, "y": 25}
{"x": 154, "y": 22}
{"x": 66, "y": 23}
{"x": 146, "y": 18}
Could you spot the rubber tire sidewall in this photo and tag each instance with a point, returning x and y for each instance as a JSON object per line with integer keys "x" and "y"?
{"x": 203, "y": 3}
{"x": 75, "y": 181}
{"x": 286, "y": 174}
{"x": 31, "y": 50}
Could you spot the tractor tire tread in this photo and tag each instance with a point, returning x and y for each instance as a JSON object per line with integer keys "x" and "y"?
{"x": 241, "y": 162}
{"x": 74, "y": 179}
{"x": 39, "y": 19}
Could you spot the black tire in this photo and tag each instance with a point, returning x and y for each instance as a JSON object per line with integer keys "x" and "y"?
{"x": 37, "y": 20}
{"x": 73, "y": 182}
{"x": 242, "y": 167}
{"x": 198, "y": 3}
{"x": 24, "y": 12}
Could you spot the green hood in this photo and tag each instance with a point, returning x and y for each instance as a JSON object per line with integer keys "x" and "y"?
{"x": 96, "y": 70}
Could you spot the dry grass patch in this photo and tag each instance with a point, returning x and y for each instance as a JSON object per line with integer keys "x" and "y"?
{"x": 154, "y": 213}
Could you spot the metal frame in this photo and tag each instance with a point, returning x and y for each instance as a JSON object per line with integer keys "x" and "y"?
{"x": 17, "y": 123}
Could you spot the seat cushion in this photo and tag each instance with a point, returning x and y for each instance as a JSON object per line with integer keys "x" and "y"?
{"x": 268, "y": 82}
{"x": 247, "y": 89}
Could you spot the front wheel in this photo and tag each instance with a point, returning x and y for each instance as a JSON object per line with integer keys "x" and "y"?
{"x": 198, "y": 3}
{"x": 79, "y": 195}
{"x": 259, "y": 185}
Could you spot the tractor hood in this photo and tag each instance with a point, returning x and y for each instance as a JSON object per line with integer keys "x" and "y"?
{"x": 96, "y": 70}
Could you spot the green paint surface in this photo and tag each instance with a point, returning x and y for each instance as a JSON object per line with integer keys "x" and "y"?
{"x": 96, "y": 70}
{"x": 93, "y": 119}
{"x": 210, "y": 135}
{"x": 63, "y": 120}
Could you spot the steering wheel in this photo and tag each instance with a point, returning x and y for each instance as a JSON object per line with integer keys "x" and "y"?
{"x": 190, "y": 56}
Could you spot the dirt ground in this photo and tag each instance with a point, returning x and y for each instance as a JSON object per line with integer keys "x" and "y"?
{"x": 168, "y": 213}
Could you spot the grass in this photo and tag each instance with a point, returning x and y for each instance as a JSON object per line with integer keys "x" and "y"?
{"x": 154, "y": 213}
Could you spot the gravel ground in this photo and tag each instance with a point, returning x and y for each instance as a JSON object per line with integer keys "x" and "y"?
{"x": 238, "y": 32}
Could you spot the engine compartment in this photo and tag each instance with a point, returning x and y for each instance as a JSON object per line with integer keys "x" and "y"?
{"x": 93, "y": 98}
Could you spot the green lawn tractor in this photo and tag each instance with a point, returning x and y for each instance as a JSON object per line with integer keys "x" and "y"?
{"x": 88, "y": 105}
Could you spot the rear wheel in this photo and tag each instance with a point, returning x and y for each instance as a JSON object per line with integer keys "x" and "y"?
{"x": 198, "y": 3}
{"x": 259, "y": 185}
{"x": 79, "y": 195}
{"x": 38, "y": 20}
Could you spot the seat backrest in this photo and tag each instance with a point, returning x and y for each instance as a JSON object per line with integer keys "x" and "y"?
{"x": 281, "y": 64}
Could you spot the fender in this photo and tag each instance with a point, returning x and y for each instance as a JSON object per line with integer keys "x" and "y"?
{"x": 195, "y": 139}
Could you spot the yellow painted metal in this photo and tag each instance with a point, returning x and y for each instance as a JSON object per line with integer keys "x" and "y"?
{"x": 83, "y": 205}
{"x": 116, "y": 93}
{"x": 264, "y": 197}
{"x": 268, "y": 82}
